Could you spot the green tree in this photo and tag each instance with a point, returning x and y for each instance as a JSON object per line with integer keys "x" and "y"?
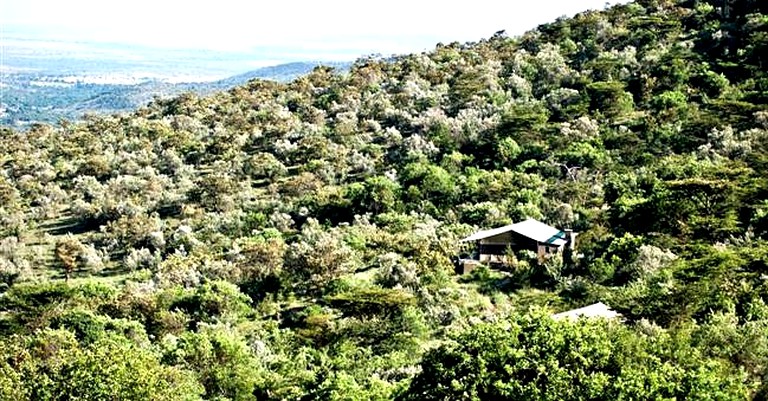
{"x": 52, "y": 366}
{"x": 535, "y": 358}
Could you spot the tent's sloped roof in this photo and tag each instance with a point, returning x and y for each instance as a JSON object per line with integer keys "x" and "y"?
{"x": 530, "y": 228}
{"x": 488, "y": 233}
{"x": 539, "y": 231}
{"x": 595, "y": 310}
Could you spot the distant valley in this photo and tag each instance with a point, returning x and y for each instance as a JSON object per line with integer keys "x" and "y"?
{"x": 30, "y": 95}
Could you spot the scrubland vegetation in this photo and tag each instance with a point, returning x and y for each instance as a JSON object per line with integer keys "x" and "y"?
{"x": 296, "y": 240}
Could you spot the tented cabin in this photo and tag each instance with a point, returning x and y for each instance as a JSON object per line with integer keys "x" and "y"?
{"x": 492, "y": 246}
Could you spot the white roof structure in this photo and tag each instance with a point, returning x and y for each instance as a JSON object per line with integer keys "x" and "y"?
{"x": 595, "y": 310}
{"x": 482, "y": 234}
{"x": 530, "y": 228}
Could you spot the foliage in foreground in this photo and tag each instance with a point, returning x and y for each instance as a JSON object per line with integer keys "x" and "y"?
{"x": 535, "y": 358}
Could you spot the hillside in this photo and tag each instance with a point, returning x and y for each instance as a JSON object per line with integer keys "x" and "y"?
{"x": 296, "y": 240}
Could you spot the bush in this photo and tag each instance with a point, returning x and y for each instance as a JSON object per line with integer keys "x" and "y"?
{"x": 535, "y": 358}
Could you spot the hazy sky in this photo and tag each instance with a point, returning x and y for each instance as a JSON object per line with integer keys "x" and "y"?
{"x": 333, "y": 28}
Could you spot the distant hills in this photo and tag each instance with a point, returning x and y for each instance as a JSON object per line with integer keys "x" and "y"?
{"x": 281, "y": 72}
{"x": 29, "y": 97}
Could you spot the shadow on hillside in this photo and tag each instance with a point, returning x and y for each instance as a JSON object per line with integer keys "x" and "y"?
{"x": 72, "y": 226}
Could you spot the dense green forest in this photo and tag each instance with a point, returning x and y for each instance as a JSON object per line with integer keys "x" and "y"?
{"x": 296, "y": 240}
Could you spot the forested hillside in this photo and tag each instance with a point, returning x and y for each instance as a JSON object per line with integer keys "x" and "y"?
{"x": 296, "y": 240}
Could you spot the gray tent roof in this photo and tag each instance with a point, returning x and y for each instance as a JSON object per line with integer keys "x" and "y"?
{"x": 530, "y": 228}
